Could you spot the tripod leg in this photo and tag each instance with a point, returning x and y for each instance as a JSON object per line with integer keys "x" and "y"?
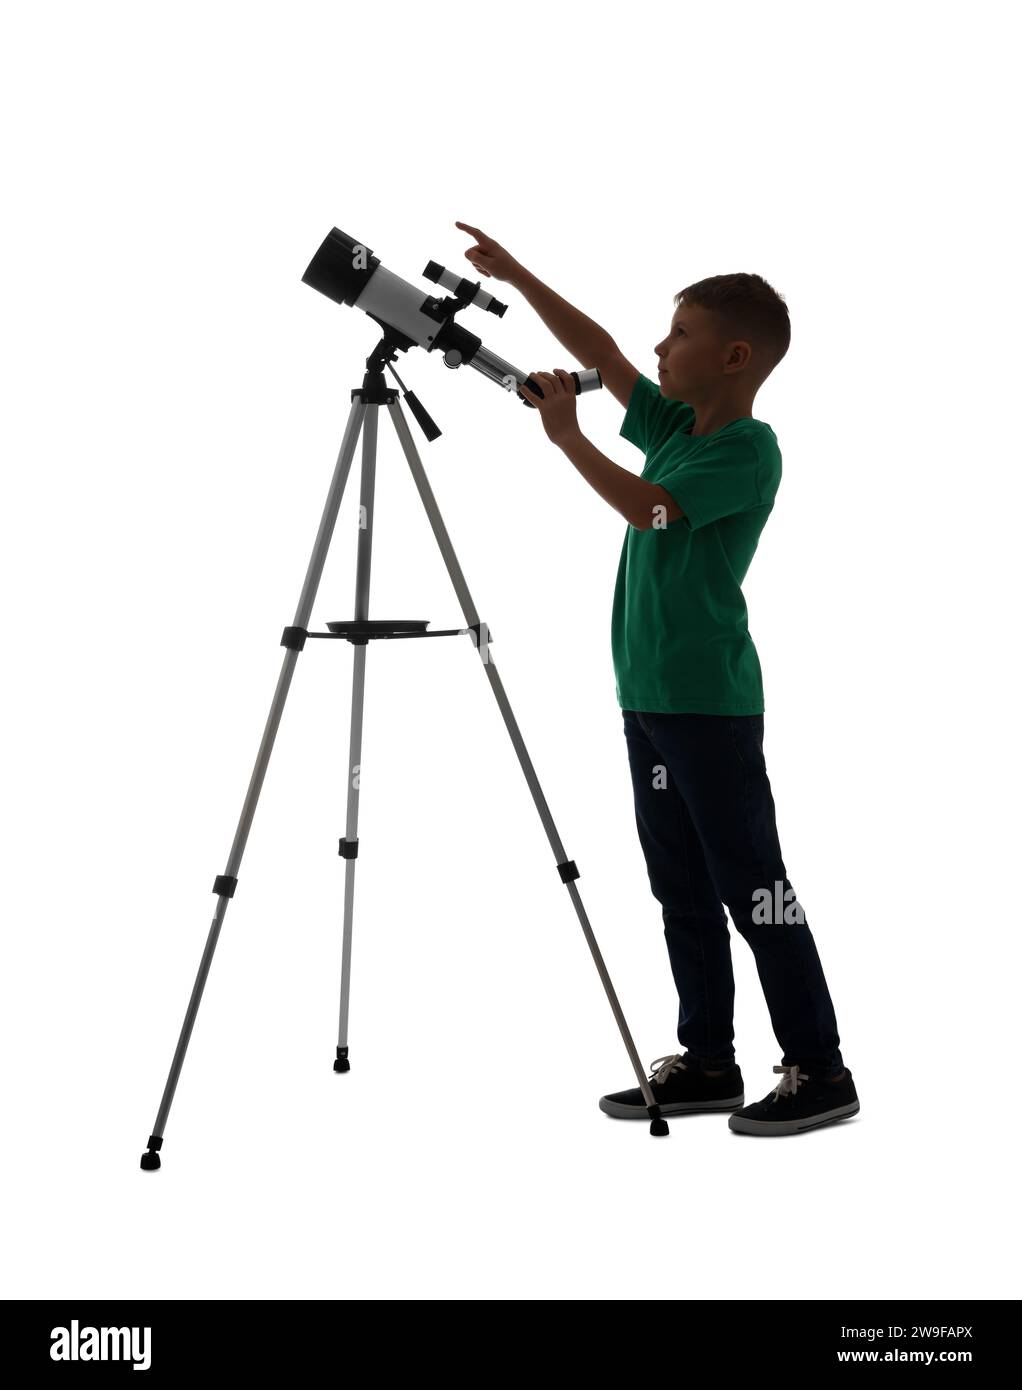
{"x": 349, "y": 845}
{"x": 565, "y": 867}
{"x": 294, "y": 640}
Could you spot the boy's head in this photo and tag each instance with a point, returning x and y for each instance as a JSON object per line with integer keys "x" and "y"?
{"x": 729, "y": 330}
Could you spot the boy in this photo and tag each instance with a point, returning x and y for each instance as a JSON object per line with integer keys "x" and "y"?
{"x": 690, "y": 687}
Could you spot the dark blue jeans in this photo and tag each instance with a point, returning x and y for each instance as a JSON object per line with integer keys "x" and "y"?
{"x": 707, "y": 826}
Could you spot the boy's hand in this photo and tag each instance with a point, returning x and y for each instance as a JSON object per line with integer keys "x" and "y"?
{"x": 557, "y": 405}
{"x": 489, "y": 257}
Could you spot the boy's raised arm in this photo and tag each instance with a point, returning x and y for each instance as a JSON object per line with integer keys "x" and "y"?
{"x": 588, "y": 343}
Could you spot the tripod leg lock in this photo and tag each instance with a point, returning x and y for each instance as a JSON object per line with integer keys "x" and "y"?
{"x": 225, "y": 885}
{"x": 347, "y": 849}
{"x": 567, "y": 871}
{"x": 294, "y": 638}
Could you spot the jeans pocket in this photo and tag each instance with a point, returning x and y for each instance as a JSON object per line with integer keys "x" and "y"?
{"x": 747, "y": 740}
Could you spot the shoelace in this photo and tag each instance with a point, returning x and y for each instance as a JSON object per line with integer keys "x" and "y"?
{"x": 671, "y": 1063}
{"x": 788, "y": 1084}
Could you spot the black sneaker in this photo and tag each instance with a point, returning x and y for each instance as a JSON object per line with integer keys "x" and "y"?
{"x": 799, "y": 1101}
{"x": 679, "y": 1084}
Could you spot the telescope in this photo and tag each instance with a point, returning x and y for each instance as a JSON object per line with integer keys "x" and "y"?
{"x": 348, "y": 272}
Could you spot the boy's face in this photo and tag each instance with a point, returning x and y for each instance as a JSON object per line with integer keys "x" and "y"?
{"x": 692, "y": 356}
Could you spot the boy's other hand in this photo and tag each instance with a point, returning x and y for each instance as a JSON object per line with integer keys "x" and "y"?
{"x": 556, "y": 406}
{"x": 489, "y": 257}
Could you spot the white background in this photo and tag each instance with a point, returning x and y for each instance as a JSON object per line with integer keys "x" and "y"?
{"x": 174, "y": 401}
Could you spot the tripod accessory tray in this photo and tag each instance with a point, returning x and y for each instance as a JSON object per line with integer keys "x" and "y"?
{"x": 359, "y": 631}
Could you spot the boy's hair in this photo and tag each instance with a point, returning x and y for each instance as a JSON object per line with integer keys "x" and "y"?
{"x": 746, "y": 307}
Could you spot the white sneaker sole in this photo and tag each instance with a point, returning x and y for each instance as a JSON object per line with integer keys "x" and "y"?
{"x": 741, "y": 1125}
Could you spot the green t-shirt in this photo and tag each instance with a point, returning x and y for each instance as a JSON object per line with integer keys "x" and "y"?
{"x": 680, "y": 628}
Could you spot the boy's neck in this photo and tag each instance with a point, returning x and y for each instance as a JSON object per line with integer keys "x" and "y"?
{"x": 713, "y": 415}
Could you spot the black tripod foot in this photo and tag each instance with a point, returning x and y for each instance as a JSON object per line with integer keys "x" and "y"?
{"x": 151, "y": 1160}
{"x": 658, "y": 1125}
{"x": 341, "y": 1062}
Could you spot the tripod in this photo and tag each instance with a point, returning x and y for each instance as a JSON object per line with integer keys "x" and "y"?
{"x": 363, "y": 417}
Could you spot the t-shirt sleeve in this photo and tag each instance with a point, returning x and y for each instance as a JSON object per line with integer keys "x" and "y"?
{"x": 651, "y": 418}
{"x": 718, "y": 482}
